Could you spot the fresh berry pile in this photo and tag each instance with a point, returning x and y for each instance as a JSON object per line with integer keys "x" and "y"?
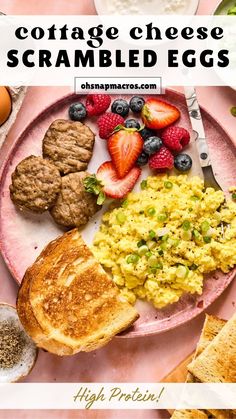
{"x": 131, "y": 143}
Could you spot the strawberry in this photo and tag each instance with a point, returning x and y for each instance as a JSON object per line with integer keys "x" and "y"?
{"x": 97, "y": 104}
{"x": 107, "y": 184}
{"x": 157, "y": 114}
{"x": 107, "y": 123}
{"x": 125, "y": 146}
{"x": 162, "y": 160}
{"x": 113, "y": 186}
{"x": 175, "y": 138}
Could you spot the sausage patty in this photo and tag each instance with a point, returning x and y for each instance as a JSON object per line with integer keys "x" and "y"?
{"x": 69, "y": 145}
{"x": 35, "y": 184}
{"x": 74, "y": 206}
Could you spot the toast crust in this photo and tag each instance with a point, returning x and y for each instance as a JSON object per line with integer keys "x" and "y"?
{"x": 67, "y": 302}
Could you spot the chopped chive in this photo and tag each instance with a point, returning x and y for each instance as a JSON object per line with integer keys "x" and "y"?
{"x": 182, "y": 271}
{"x": 120, "y": 217}
{"x": 154, "y": 268}
{"x": 186, "y": 235}
{"x": 132, "y": 258}
{"x": 207, "y": 239}
{"x": 205, "y": 226}
{"x": 196, "y": 234}
{"x": 141, "y": 243}
{"x": 152, "y": 261}
{"x": 152, "y": 234}
{"x": 125, "y": 203}
{"x": 168, "y": 185}
{"x": 194, "y": 198}
{"x": 151, "y": 211}
{"x": 159, "y": 265}
{"x": 163, "y": 246}
{"x": 186, "y": 225}
{"x": 162, "y": 217}
{"x": 151, "y": 244}
{"x": 161, "y": 253}
{"x": 143, "y": 250}
{"x": 165, "y": 237}
{"x": 148, "y": 254}
{"x": 175, "y": 242}
{"x": 143, "y": 184}
{"x": 234, "y": 196}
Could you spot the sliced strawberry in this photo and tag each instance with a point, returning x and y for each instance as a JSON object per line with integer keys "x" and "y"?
{"x": 112, "y": 185}
{"x": 157, "y": 114}
{"x": 125, "y": 146}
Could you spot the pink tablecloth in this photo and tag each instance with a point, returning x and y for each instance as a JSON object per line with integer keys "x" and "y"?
{"x": 138, "y": 360}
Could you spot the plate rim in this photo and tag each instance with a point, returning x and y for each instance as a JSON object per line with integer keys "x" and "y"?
{"x": 4, "y": 170}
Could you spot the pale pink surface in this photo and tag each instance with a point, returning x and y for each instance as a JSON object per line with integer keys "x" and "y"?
{"x": 138, "y": 360}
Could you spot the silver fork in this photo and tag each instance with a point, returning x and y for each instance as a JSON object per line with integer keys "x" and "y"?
{"x": 200, "y": 139}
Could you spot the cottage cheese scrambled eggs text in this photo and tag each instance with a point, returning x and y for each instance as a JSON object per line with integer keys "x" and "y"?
{"x": 159, "y": 242}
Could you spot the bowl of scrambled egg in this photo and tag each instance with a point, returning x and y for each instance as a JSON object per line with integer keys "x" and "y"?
{"x": 159, "y": 243}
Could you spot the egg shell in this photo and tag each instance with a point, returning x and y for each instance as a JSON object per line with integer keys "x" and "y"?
{"x": 5, "y": 104}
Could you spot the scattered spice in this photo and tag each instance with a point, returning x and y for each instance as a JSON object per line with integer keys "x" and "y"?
{"x": 12, "y": 343}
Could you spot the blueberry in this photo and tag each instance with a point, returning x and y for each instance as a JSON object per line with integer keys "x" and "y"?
{"x": 142, "y": 159}
{"x": 183, "y": 162}
{"x": 132, "y": 123}
{"x": 152, "y": 145}
{"x": 136, "y": 104}
{"x": 146, "y": 133}
{"x": 120, "y": 106}
{"x": 77, "y": 112}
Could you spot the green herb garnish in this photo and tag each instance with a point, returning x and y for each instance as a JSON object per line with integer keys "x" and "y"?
{"x": 143, "y": 184}
{"x": 132, "y": 258}
{"x": 152, "y": 234}
{"x": 168, "y": 185}
{"x": 95, "y": 186}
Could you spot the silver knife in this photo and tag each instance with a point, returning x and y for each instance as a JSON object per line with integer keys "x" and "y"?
{"x": 200, "y": 137}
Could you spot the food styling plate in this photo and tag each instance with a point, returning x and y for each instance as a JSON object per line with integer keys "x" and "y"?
{"x": 23, "y": 235}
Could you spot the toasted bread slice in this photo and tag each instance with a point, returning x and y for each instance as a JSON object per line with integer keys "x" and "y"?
{"x": 67, "y": 303}
{"x": 31, "y": 324}
{"x": 217, "y": 363}
{"x": 211, "y": 328}
{"x": 189, "y": 414}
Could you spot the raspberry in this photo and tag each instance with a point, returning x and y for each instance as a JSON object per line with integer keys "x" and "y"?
{"x": 175, "y": 138}
{"x": 163, "y": 159}
{"x": 97, "y": 104}
{"x": 107, "y": 124}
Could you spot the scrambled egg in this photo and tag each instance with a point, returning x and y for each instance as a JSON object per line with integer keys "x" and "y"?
{"x": 162, "y": 240}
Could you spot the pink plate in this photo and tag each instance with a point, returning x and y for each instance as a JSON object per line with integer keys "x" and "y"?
{"x": 23, "y": 235}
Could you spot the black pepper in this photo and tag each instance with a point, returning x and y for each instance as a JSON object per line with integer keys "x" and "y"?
{"x": 12, "y": 343}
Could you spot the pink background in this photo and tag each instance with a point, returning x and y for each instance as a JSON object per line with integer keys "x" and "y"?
{"x": 139, "y": 360}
